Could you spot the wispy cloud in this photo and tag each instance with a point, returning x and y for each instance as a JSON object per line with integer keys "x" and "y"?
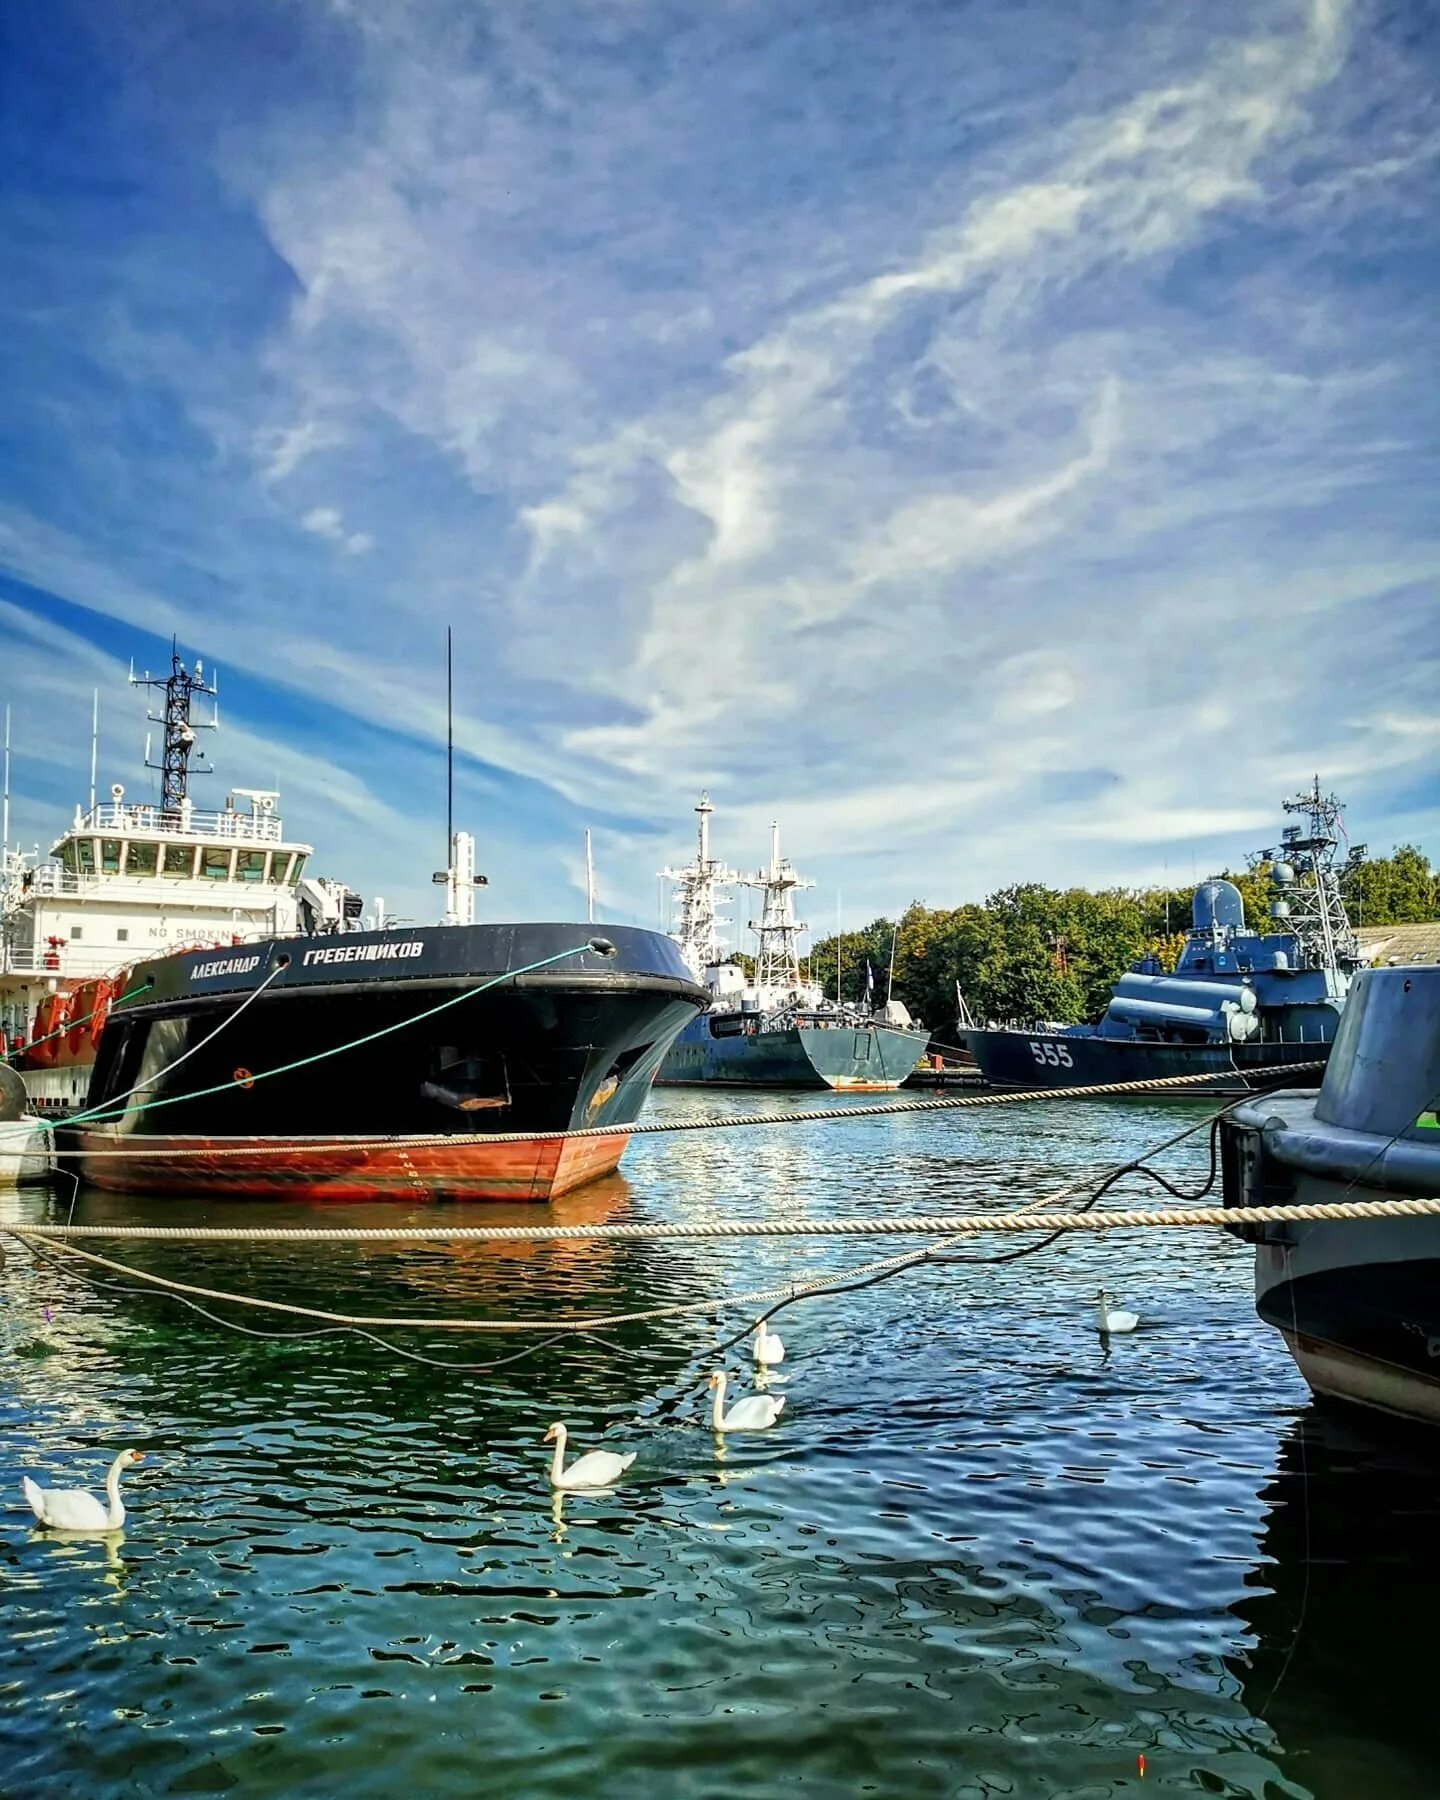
{"x": 997, "y": 444}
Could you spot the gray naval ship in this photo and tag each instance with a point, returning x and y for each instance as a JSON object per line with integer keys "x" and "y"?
{"x": 1237, "y": 1002}
{"x": 779, "y": 1030}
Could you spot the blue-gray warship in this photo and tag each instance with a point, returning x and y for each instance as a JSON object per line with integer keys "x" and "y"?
{"x": 779, "y": 1030}
{"x": 1356, "y": 1300}
{"x": 1237, "y": 1002}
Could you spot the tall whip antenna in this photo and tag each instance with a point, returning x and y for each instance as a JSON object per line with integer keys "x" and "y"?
{"x": 449, "y": 743}
{"x": 589, "y": 879}
{"x": 5, "y": 808}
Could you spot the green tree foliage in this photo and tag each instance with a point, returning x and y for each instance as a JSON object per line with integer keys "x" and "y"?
{"x": 1393, "y": 890}
{"x": 1032, "y": 952}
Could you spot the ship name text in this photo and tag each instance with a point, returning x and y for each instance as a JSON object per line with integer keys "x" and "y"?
{"x": 225, "y": 965}
{"x": 368, "y": 953}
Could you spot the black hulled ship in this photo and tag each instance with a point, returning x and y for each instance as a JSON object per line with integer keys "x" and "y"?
{"x": 413, "y": 1062}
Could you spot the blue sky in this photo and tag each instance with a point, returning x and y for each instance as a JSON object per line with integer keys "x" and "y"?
{"x": 998, "y": 441}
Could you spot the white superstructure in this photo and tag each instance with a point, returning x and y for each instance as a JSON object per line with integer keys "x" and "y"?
{"x": 130, "y": 880}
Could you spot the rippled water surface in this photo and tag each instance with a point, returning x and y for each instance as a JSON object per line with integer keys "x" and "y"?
{"x": 980, "y": 1555}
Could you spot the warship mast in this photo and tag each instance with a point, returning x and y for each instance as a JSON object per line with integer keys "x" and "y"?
{"x": 1306, "y": 882}
{"x": 699, "y": 894}
{"x": 778, "y": 962}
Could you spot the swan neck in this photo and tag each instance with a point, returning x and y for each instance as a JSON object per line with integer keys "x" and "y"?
{"x": 557, "y": 1462}
{"x": 115, "y": 1512}
{"x": 717, "y": 1410}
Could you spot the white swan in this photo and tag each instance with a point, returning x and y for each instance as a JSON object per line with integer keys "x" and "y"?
{"x": 769, "y": 1351}
{"x": 756, "y": 1412}
{"x": 72, "y": 1509}
{"x": 1107, "y": 1322}
{"x": 598, "y": 1469}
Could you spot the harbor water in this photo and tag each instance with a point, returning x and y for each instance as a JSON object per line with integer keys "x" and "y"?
{"x": 982, "y": 1553}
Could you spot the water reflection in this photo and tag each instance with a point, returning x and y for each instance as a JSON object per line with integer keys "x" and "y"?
{"x": 1343, "y": 1614}
{"x": 983, "y": 1552}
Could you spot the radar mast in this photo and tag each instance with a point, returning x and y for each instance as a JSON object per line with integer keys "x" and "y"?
{"x": 179, "y": 687}
{"x": 777, "y": 965}
{"x": 1306, "y": 881}
{"x": 699, "y": 894}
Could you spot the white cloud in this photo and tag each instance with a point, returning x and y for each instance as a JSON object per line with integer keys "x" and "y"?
{"x": 968, "y": 468}
{"x": 329, "y": 522}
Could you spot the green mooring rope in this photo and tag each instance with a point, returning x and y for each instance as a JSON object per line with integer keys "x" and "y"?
{"x": 98, "y": 1113}
{"x": 71, "y": 1024}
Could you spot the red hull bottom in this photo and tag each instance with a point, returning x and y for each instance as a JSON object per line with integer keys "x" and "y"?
{"x": 437, "y": 1168}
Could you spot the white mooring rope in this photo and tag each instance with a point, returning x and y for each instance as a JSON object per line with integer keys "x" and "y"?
{"x": 954, "y": 1229}
{"x": 898, "y": 1225}
{"x": 699, "y": 1122}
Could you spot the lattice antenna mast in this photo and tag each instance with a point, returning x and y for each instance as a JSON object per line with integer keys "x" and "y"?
{"x": 1316, "y": 909}
{"x": 778, "y": 960}
{"x": 179, "y": 687}
{"x": 699, "y": 894}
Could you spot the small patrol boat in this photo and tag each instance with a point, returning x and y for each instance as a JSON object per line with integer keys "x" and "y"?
{"x": 1356, "y": 1300}
{"x": 1240, "y": 1005}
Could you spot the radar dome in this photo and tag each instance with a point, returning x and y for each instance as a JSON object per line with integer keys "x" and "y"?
{"x": 1218, "y": 903}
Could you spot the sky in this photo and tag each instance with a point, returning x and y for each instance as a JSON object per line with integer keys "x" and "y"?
{"x": 998, "y": 441}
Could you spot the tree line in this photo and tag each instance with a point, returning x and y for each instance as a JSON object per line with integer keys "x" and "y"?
{"x": 1032, "y": 952}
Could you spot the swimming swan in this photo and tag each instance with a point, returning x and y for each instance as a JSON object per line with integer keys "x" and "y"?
{"x": 72, "y": 1509}
{"x": 1107, "y": 1322}
{"x": 597, "y": 1469}
{"x": 769, "y": 1351}
{"x": 756, "y": 1412}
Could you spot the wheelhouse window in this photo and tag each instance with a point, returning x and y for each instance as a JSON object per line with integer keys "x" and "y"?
{"x": 85, "y": 854}
{"x": 69, "y": 857}
{"x": 215, "y": 864}
{"x": 179, "y": 859}
{"x": 250, "y": 865}
{"x": 111, "y": 850}
{"x": 297, "y": 870}
{"x": 142, "y": 859}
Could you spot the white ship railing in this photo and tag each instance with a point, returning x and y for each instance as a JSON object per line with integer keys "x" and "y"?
{"x": 77, "y": 964}
{"x": 49, "y": 881}
{"x": 81, "y": 962}
{"x": 155, "y": 821}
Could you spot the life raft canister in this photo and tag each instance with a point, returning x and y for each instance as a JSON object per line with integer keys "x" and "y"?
{"x": 41, "y": 1055}
{"x": 77, "y": 1019}
{"x": 112, "y": 990}
{"x": 103, "y": 999}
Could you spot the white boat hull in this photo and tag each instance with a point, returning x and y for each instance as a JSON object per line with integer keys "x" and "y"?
{"x": 26, "y": 1152}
